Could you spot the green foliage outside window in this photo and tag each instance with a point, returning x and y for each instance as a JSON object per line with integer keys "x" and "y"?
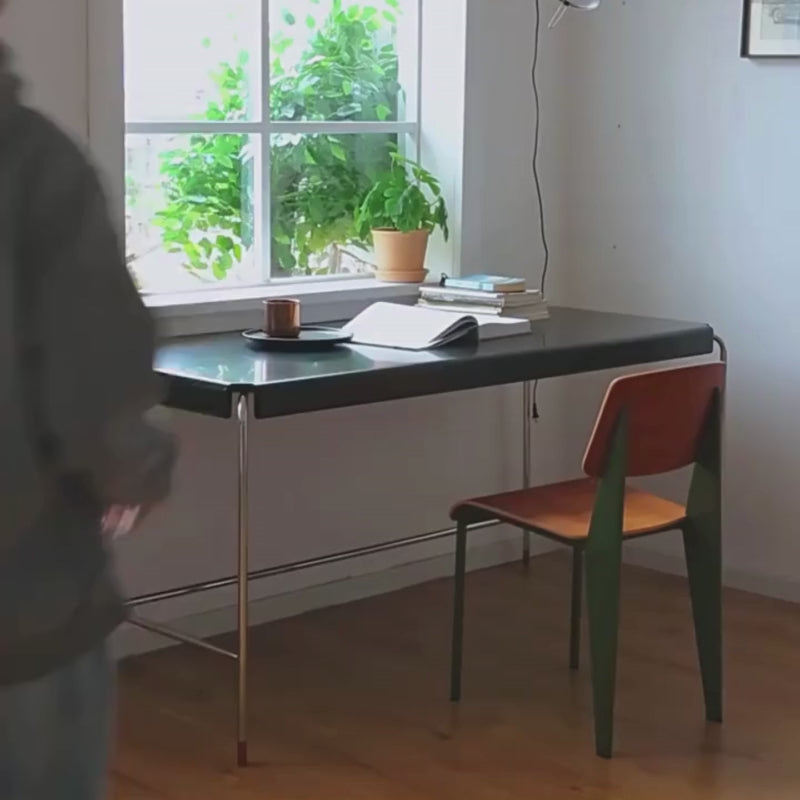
{"x": 347, "y": 72}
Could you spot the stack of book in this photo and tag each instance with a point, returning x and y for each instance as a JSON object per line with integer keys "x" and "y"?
{"x": 486, "y": 294}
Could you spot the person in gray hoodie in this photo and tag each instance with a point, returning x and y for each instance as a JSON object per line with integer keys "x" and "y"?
{"x": 76, "y": 385}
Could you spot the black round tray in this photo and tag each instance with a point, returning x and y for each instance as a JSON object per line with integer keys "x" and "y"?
{"x": 312, "y": 338}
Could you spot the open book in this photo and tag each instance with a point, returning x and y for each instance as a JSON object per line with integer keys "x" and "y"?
{"x": 416, "y": 328}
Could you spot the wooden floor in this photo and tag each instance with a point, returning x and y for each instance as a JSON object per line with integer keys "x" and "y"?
{"x": 349, "y": 703}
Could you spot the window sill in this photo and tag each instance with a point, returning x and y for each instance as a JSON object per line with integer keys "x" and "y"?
{"x": 218, "y": 310}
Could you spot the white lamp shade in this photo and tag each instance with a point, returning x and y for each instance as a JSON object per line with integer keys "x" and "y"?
{"x": 565, "y": 5}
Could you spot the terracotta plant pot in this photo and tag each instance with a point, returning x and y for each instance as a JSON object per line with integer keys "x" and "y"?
{"x": 400, "y": 257}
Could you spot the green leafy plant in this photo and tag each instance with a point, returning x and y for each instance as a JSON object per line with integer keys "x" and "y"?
{"x": 347, "y": 71}
{"x": 207, "y": 186}
{"x": 406, "y": 198}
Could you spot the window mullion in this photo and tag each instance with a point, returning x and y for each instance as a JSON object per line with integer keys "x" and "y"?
{"x": 264, "y": 251}
{"x": 177, "y": 127}
{"x": 419, "y": 65}
{"x": 339, "y": 128}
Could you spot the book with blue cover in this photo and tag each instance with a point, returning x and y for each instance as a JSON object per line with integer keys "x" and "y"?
{"x": 485, "y": 283}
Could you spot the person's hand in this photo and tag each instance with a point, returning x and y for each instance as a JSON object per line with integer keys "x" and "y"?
{"x": 120, "y": 520}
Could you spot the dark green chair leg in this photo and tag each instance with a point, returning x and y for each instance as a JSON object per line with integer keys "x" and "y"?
{"x": 603, "y": 565}
{"x": 575, "y": 616}
{"x": 602, "y": 585}
{"x": 458, "y": 613}
{"x": 702, "y": 541}
{"x": 703, "y": 563}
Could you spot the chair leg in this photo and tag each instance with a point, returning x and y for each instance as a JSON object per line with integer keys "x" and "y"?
{"x": 704, "y": 565}
{"x": 575, "y": 616}
{"x": 602, "y": 584}
{"x": 458, "y": 613}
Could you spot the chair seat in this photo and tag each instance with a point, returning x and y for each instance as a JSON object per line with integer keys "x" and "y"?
{"x": 564, "y": 510}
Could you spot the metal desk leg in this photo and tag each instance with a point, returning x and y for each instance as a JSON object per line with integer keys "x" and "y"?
{"x": 526, "y": 461}
{"x": 243, "y": 414}
{"x": 723, "y": 349}
{"x": 723, "y": 357}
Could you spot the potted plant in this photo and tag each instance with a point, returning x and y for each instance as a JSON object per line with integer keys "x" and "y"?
{"x": 400, "y": 211}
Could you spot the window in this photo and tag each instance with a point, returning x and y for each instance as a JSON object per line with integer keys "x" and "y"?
{"x": 254, "y": 127}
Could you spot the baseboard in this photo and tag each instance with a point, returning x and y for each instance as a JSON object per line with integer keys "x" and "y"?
{"x": 746, "y": 580}
{"x": 130, "y": 641}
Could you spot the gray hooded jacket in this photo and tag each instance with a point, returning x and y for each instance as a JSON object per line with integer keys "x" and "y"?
{"x": 76, "y": 380}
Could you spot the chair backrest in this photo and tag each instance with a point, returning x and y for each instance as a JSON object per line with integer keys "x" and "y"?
{"x": 665, "y": 413}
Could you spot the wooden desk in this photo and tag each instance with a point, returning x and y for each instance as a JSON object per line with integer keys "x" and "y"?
{"x": 205, "y": 374}
{"x": 219, "y": 376}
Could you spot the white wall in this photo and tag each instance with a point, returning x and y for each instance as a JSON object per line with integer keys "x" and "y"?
{"x": 49, "y": 41}
{"x": 336, "y": 480}
{"x": 682, "y": 200}
{"x": 500, "y": 205}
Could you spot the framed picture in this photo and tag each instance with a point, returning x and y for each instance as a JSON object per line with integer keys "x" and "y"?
{"x": 771, "y": 29}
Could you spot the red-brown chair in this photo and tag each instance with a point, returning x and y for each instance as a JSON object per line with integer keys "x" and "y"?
{"x": 649, "y": 424}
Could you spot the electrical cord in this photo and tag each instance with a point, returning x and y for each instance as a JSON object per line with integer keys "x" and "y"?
{"x": 536, "y": 145}
{"x": 537, "y": 178}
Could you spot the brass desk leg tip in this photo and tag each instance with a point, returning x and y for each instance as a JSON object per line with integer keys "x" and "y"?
{"x": 241, "y": 754}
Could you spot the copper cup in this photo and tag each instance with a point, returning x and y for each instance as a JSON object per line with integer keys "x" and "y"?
{"x": 282, "y": 318}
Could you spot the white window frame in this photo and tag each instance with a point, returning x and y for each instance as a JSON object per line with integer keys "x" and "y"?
{"x": 440, "y": 102}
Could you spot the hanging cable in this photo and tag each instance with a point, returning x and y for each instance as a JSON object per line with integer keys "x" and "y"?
{"x": 536, "y": 145}
{"x": 537, "y": 178}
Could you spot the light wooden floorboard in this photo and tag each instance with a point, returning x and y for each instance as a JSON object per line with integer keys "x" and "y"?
{"x": 350, "y": 703}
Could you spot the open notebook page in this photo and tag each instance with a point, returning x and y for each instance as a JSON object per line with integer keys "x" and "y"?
{"x": 409, "y": 327}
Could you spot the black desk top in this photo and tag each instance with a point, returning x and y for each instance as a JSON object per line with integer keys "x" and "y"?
{"x": 203, "y": 373}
